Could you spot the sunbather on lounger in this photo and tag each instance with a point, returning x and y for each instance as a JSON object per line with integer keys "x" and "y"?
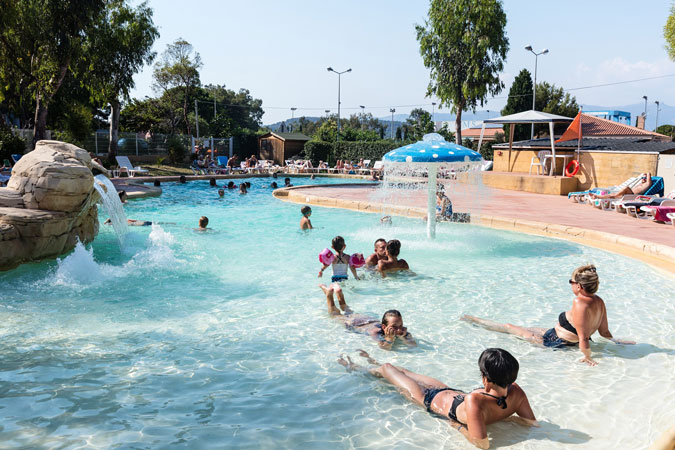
{"x": 385, "y": 332}
{"x": 641, "y": 188}
{"x": 587, "y": 315}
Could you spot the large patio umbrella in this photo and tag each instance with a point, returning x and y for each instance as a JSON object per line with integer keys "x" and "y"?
{"x": 432, "y": 152}
{"x": 532, "y": 117}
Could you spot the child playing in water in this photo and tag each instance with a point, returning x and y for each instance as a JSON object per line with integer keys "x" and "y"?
{"x": 203, "y": 223}
{"x": 340, "y": 264}
{"x": 305, "y": 223}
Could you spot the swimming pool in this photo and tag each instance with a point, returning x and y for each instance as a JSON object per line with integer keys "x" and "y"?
{"x": 221, "y": 339}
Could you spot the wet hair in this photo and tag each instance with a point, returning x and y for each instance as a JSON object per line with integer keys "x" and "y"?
{"x": 242, "y": 188}
{"x": 182, "y": 179}
{"x": 394, "y": 247}
{"x": 498, "y": 366}
{"x": 274, "y": 175}
{"x": 221, "y": 192}
{"x": 122, "y": 194}
{"x": 338, "y": 243}
{"x": 203, "y": 221}
{"x": 587, "y": 277}
{"x": 274, "y": 185}
{"x": 380, "y": 240}
{"x": 230, "y": 185}
{"x": 312, "y": 177}
{"x": 248, "y": 184}
{"x": 212, "y": 181}
{"x": 305, "y": 209}
{"x": 287, "y": 180}
{"x": 392, "y": 313}
{"x": 156, "y": 183}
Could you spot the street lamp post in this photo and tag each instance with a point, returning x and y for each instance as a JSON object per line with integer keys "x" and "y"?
{"x": 657, "y": 114}
{"x": 330, "y": 69}
{"x": 327, "y": 111}
{"x": 433, "y": 114}
{"x": 534, "y": 86}
{"x": 391, "y": 124}
{"x": 293, "y": 113}
{"x": 363, "y": 115}
{"x": 645, "y": 113}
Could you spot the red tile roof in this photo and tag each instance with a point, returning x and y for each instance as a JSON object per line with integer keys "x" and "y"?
{"x": 596, "y": 126}
{"x": 490, "y": 133}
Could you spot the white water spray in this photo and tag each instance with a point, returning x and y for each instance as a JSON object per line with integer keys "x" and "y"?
{"x": 111, "y": 202}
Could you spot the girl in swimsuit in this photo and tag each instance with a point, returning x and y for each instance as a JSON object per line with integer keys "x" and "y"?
{"x": 385, "y": 332}
{"x": 498, "y": 399}
{"x": 588, "y": 315}
{"x": 340, "y": 265}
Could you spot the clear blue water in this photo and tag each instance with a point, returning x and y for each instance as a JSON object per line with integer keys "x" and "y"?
{"x": 221, "y": 339}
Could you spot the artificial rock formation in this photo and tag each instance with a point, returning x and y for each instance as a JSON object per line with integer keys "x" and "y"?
{"x": 49, "y": 203}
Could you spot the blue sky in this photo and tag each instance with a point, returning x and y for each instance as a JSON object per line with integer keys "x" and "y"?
{"x": 280, "y": 51}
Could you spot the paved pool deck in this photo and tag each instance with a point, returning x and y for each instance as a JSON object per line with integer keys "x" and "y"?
{"x": 540, "y": 214}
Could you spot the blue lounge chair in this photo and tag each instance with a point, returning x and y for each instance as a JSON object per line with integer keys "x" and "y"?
{"x": 656, "y": 189}
{"x": 16, "y": 157}
{"x": 579, "y": 196}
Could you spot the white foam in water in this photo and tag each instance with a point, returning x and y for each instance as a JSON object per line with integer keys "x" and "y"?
{"x": 113, "y": 206}
{"x": 78, "y": 268}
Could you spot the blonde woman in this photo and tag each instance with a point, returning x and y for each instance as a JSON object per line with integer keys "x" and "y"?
{"x": 575, "y": 327}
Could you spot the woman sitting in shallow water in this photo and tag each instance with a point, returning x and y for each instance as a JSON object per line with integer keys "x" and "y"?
{"x": 469, "y": 413}
{"x": 588, "y": 315}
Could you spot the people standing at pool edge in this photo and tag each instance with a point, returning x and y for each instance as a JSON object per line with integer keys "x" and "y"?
{"x": 305, "y": 223}
{"x": 587, "y": 315}
{"x": 379, "y": 253}
{"x": 339, "y": 264}
{"x": 392, "y": 263}
{"x": 469, "y": 413}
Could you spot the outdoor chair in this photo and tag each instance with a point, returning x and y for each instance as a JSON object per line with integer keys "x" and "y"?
{"x": 16, "y": 157}
{"x": 538, "y": 162}
{"x": 365, "y": 169}
{"x": 659, "y": 213}
{"x": 378, "y": 167}
{"x": 656, "y": 189}
{"x": 671, "y": 216}
{"x": 123, "y": 162}
{"x": 581, "y": 195}
{"x": 640, "y": 200}
{"x": 222, "y": 164}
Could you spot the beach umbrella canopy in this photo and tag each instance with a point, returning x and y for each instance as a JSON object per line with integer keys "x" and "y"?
{"x": 433, "y": 148}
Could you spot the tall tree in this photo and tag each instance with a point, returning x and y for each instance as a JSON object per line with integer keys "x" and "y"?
{"x": 418, "y": 124}
{"x": 42, "y": 39}
{"x": 669, "y": 33}
{"x": 464, "y": 44}
{"x": 177, "y": 76}
{"x": 520, "y": 99}
{"x": 121, "y": 45}
{"x": 554, "y": 100}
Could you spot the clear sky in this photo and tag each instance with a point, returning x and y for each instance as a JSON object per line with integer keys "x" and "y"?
{"x": 280, "y": 50}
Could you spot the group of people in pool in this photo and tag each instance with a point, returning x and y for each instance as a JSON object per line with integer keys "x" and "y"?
{"x": 500, "y": 397}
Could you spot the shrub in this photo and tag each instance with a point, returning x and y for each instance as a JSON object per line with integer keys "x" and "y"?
{"x": 160, "y": 160}
{"x": 349, "y": 150}
{"x": 317, "y": 151}
{"x": 10, "y": 144}
{"x": 177, "y": 149}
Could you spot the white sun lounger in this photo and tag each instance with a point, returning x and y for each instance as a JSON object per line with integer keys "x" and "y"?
{"x": 123, "y": 161}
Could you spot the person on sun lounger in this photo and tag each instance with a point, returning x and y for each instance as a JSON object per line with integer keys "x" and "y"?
{"x": 575, "y": 327}
{"x": 470, "y": 413}
{"x": 640, "y": 188}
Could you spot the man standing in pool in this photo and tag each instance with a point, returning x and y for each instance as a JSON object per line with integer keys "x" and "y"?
{"x": 305, "y": 223}
{"x": 469, "y": 413}
{"x": 379, "y": 253}
{"x": 392, "y": 263}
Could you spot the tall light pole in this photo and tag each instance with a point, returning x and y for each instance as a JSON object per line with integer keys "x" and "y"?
{"x": 657, "y": 114}
{"x": 488, "y": 112}
{"x": 645, "y": 113}
{"x": 363, "y": 114}
{"x": 293, "y": 113}
{"x": 433, "y": 114}
{"x": 534, "y": 86}
{"x": 391, "y": 124}
{"x": 327, "y": 111}
{"x": 330, "y": 69}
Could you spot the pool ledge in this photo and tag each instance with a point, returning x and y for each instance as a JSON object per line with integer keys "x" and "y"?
{"x": 661, "y": 257}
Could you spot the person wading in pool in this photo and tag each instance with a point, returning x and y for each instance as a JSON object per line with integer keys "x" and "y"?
{"x": 469, "y": 413}
{"x": 340, "y": 265}
{"x": 392, "y": 263}
{"x": 574, "y": 327}
{"x": 305, "y": 223}
{"x": 385, "y": 332}
{"x": 379, "y": 253}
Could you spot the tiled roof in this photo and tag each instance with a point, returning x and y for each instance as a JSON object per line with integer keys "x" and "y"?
{"x": 475, "y": 132}
{"x": 287, "y": 136}
{"x": 625, "y": 144}
{"x": 596, "y": 126}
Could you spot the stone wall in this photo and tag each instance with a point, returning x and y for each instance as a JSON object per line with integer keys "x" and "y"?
{"x": 49, "y": 203}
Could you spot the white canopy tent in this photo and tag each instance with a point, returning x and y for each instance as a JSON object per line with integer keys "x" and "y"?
{"x": 524, "y": 117}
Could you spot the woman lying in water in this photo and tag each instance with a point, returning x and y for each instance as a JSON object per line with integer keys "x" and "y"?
{"x": 469, "y": 413}
{"x": 385, "y": 332}
{"x": 588, "y": 315}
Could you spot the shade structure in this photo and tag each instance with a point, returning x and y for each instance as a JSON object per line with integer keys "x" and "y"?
{"x": 530, "y": 116}
{"x": 433, "y": 148}
{"x": 432, "y": 152}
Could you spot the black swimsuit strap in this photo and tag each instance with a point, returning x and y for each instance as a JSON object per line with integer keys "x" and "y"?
{"x": 501, "y": 401}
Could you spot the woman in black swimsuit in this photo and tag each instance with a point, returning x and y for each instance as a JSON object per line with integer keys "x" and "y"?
{"x": 498, "y": 399}
{"x": 574, "y": 327}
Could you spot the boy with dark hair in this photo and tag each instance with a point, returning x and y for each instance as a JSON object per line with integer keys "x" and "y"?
{"x": 392, "y": 263}
{"x": 305, "y": 223}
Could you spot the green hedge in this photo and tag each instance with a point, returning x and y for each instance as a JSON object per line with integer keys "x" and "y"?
{"x": 9, "y": 143}
{"x": 349, "y": 150}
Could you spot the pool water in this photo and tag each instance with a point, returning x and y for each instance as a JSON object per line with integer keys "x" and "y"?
{"x": 221, "y": 339}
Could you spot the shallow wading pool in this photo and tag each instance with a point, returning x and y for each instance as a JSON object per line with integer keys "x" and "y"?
{"x": 221, "y": 339}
